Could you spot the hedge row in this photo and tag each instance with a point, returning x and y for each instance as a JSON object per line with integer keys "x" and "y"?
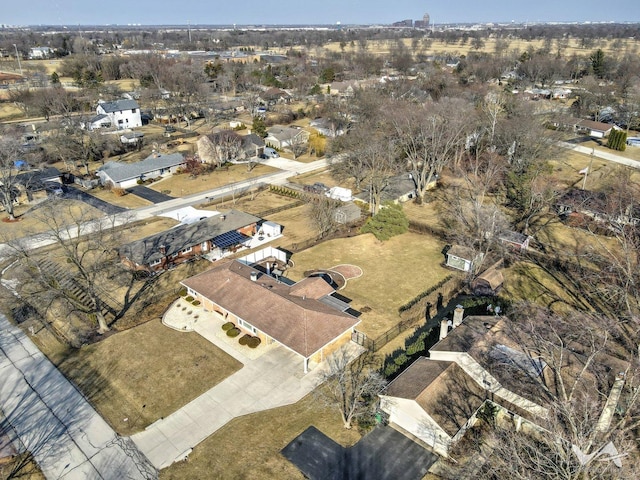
{"x": 617, "y": 140}
{"x": 415, "y": 300}
{"x": 284, "y": 191}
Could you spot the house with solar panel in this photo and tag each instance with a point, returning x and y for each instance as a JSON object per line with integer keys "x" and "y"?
{"x": 214, "y": 237}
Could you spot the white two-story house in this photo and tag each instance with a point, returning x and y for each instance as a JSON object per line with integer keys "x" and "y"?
{"x": 120, "y": 114}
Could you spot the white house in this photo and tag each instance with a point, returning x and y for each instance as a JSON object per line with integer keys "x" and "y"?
{"x": 38, "y": 53}
{"x": 283, "y": 137}
{"x": 120, "y": 114}
{"x": 125, "y": 175}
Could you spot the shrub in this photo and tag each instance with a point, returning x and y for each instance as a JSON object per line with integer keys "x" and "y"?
{"x": 244, "y": 340}
{"x": 233, "y": 332}
{"x": 388, "y": 222}
{"x": 195, "y": 303}
{"x": 119, "y": 192}
{"x": 183, "y": 292}
{"x": 189, "y": 298}
{"x": 253, "y": 342}
{"x": 228, "y": 326}
{"x": 416, "y": 299}
{"x": 139, "y": 181}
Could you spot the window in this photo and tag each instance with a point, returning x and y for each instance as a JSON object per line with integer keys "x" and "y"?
{"x": 120, "y": 122}
{"x": 133, "y": 110}
{"x": 247, "y": 326}
{"x": 186, "y": 250}
{"x": 155, "y": 262}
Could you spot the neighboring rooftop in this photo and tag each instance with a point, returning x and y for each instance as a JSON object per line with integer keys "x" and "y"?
{"x": 119, "y": 172}
{"x": 174, "y": 240}
{"x": 119, "y": 105}
{"x": 442, "y": 389}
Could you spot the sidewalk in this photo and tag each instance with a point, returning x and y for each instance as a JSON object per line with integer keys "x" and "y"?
{"x": 272, "y": 378}
{"x": 65, "y": 435}
{"x": 612, "y": 157}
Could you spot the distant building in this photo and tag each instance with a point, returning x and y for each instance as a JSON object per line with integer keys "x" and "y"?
{"x": 37, "y": 53}
{"x": 424, "y": 23}
{"x": 403, "y": 23}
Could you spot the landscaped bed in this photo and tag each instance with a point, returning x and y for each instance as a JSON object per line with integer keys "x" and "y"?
{"x": 140, "y": 375}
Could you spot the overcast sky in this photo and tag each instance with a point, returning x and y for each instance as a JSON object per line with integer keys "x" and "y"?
{"x": 270, "y": 12}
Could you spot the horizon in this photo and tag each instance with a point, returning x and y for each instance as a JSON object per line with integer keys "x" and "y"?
{"x": 284, "y": 13}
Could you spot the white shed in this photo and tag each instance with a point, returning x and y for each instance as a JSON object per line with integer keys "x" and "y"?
{"x": 271, "y": 229}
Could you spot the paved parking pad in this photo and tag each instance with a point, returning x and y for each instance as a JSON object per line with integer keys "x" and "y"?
{"x": 383, "y": 454}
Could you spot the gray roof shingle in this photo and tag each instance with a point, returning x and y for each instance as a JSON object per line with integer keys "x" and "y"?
{"x": 119, "y": 172}
{"x": 147, "y": 250}
{"x": 119, "y": 105}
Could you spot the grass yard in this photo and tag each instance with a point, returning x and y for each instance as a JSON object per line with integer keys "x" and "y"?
{"x": 28, "y": 224}
{"x": 394, "y": 272}
{"x": 146, "y": 373}
{"x": 249, "y": 447}
{"x": 525, "y": 281}
{"x": 181, "y": 185}
{"x": 297, "y": 226}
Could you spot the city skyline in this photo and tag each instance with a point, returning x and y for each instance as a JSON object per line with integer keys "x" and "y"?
{"x": 289, "y": 12}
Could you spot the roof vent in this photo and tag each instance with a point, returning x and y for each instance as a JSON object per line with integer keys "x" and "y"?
{"x": 254, "y": 276}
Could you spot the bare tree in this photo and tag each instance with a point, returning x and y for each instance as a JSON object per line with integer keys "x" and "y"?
{"x": 351, "y": 386}
{"x": 572, "y": 364}
{"x": 9, "y": 153}
{"x": 82, "y": 258}
{"x": 322, "y": 212}
{"x": 222, "y": 147}
{"x": 431, "y": 137}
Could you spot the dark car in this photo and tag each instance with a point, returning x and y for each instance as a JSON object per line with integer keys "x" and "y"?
{"x": 169, "y": 129}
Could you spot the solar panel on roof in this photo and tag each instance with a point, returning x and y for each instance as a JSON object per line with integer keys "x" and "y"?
{"x": 228, "y": 239}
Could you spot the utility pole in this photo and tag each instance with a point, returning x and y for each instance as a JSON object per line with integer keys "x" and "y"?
{"x": 18, "y": 58}
{"x": 588, "y": 169}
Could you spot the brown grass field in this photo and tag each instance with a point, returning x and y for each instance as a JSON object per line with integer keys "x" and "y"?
{"x": 395, "y": 271}
{"x": 146, "y": 373}
{"x": 260, "y": 436}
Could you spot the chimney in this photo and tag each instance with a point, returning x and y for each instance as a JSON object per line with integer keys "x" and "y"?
{"x": 254, "y": 276}
{"x": 268, "y": 268}
{"x": 457, "y": 315}
{"x": 444, "y": 328}
{"x": 163, "y": 249}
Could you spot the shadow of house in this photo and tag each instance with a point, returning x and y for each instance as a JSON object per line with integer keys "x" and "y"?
{"x": 383, "y": 454}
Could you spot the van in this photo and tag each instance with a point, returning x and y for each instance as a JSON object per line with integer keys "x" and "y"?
{"x": 271, "y": 153}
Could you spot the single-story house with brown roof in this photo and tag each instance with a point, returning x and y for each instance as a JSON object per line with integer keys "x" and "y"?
{"x": 304, "y": 317}
{"x": 435, "y": 401}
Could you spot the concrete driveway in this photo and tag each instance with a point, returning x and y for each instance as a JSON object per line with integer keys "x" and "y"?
{"x": 149, "y": 194}
{"x": 53, "y": 421}
{"x": 271, "y": 380}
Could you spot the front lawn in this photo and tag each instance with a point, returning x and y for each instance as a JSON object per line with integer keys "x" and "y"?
{"x": 395, "y": 271}
{"x": 138, "y": 376}
{"x": 249, "y": 446}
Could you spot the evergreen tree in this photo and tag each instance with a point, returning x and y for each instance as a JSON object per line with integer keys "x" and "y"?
{"x": 388, "y": 222}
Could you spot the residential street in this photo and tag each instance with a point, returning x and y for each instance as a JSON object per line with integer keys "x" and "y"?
{"x": 66, "y": 436}
{"x": 611, "y": 157}
{"x": 143, "y": 213}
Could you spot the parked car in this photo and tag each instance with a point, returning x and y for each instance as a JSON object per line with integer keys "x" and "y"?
{"x": 271, "y": 153}
{"x": 54, "y": 189}
{"x": 318, "y": 188}
{"x": 169, "y": 129}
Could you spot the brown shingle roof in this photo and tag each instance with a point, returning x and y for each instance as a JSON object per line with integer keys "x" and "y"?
{"x": 312, "y": 287}
{"x": 442, "y": 389}
{"x": 303, "y": 324}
